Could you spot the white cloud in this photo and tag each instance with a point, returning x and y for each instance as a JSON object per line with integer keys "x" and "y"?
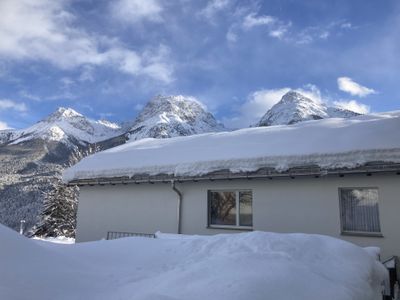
{"x": 213, "y": 7}
{"x": 346, "y": 25}
{"x": 259, "y": 102}
{"x": 156, "y": 64}
{"x": 6, "y": 104}
{"x": 311, "y": 91}
{"x": 347, "y": 85}
{"x": 353, "y": 105}
{"x": 246, "y": 21}
{"x": 66, "y": 82}
{"x": 4, "y": 125}
{"x": 152, "y": 63}
{"x": 252, "y": 20}
{"x": 52, "y": 36}
{"x": 324, "y": 35}
{"x": 48, "y": 37}
{"x": 231, "y": 36}
{"x": 279, "y": 32}
{"x": 87, "y": 74}
{"x": 134, "y": 11}
{"x": 321, "y": 32}
{"x": 29, "y": 96}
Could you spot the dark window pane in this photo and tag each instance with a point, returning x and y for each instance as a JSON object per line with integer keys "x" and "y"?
{"x": 222, "y": 208}
{"x": 245, "y": 208}
{"x": 359, "y": 209}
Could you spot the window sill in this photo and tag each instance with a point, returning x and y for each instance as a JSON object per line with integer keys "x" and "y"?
{"x": 362, "y": 234}
{"x": 227, "y": 227}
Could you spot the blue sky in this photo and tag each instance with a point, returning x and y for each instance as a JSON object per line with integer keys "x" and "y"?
{"x": 106, "y": 59}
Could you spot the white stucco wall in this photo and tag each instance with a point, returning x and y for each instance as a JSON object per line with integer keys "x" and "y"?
{"x": 143, "y": 208}
{"x": 309, "y": 205}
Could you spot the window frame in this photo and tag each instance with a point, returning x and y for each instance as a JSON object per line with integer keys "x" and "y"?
{"x": 237, "y": 226}
{"x": 341, "y": 212}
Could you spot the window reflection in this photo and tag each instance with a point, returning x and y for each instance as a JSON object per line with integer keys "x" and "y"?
{"x": 223, "y": 208}
{"x": 359, "y": 210}
{"x": 230, "y": 208}
{"x": 245, "y": 209}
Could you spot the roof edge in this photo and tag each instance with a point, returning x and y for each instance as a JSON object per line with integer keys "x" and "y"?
{"x": 269, "y": 173}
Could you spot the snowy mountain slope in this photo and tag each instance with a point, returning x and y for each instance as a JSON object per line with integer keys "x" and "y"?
{"x": 170, "y": 116}
{"x": 294, "y": 108}
{"x": 32, "y": 160}
{"x": 5, "y": 135}
{"x": 64, "y": 125}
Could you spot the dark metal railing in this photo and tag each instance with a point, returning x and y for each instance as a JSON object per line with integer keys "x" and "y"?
{"x": 112, "y": 235}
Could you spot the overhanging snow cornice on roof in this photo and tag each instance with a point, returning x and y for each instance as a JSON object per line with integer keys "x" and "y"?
{"x": 263, "y": 173}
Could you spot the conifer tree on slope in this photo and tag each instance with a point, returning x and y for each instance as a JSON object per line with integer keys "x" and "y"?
{"x": 58, "y": 217}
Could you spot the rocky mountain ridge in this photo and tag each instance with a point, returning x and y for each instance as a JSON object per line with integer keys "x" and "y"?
{"x": 64, "y": 125}
{"x": 294, "y": 107}
{"x": 170, "y": 116}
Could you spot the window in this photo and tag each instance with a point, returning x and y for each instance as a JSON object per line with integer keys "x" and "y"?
{"x": 230, "y": 209}
{"x": 359, "y": 210}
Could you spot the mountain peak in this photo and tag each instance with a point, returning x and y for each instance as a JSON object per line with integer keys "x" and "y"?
{"x": 293, "y": 96}
{"x": 65, "y": 125}
{"x": 173, "y": 115}
{"x": 174, "y": 103}
{"x": 63, "y": 113}
{"x": 295, "y": 107}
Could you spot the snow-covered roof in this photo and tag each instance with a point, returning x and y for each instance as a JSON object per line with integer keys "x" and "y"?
{"x": 329, "y": 143}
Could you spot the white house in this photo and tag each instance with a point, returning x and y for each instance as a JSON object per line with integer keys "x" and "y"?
{"x": 338, "y": 177}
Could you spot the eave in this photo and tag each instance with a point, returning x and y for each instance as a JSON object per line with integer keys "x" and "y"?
{"x": 263, "y": 173}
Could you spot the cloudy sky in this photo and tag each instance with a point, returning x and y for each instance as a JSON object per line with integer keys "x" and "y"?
{"x": 106, "y": 59}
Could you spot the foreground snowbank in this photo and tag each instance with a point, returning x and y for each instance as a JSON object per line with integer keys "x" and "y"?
{"x": 253, "y": 265}
{"x": 57, "y": 240}
{"x": 329, "y": 143}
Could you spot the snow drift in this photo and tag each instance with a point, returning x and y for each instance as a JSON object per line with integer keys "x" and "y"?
{"x": 328, "y": 143}
{"x": 254, "y": 265}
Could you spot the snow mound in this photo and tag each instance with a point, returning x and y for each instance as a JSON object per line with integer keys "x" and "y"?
{"x": 328, "y": 143}
{"x": 256, "y": 265}
{"x": 57, "y": 240}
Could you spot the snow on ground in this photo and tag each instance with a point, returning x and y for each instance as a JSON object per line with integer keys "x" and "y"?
{"x": 256, "y": 265}
{"x": 329, "y": 143}
{"x": 57, "y": 240}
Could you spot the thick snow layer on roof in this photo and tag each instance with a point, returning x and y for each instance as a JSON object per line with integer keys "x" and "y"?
{"x": 256, "y": 265}
{"x": 329, "y": 143}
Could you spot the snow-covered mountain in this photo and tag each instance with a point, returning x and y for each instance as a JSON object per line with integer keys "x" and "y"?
{"x": 64, "y": 125}
{"x": 32, "y": 159}
{"x": 170, "y": 116}
{"x": 294, "y": 108}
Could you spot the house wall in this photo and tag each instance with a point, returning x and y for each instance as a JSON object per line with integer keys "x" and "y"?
{"x": 309, "y": 205}
{"x": 144, "y": 208}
